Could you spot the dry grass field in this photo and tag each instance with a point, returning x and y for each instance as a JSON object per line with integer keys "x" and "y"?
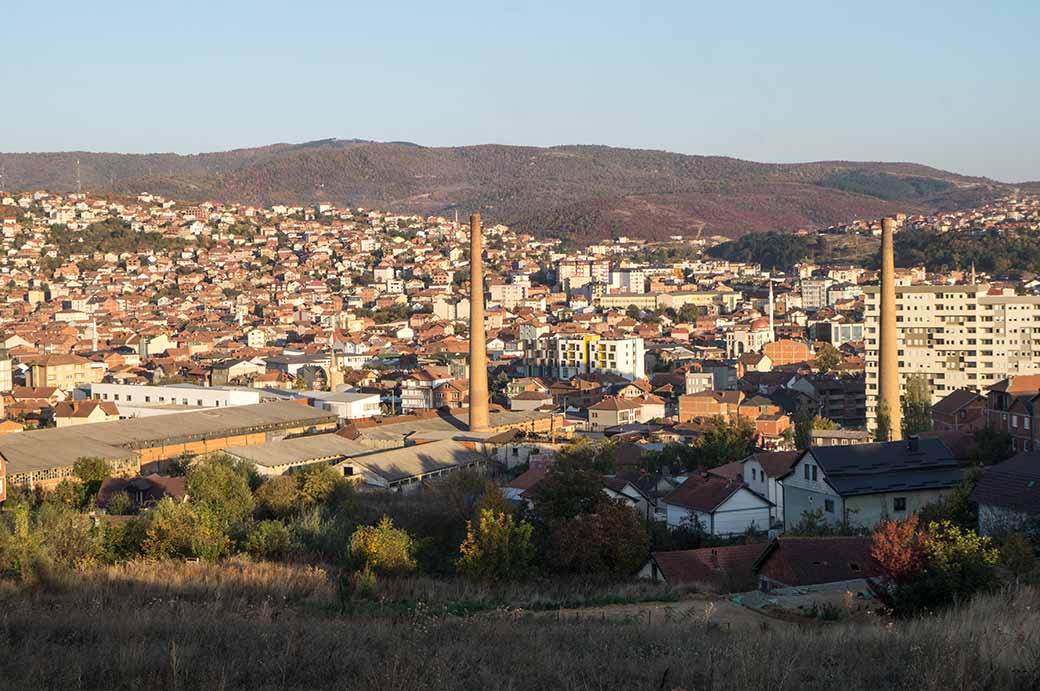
{"x": 263, "y": 626}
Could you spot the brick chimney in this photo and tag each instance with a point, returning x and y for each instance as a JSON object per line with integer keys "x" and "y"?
{"x": 478, "y": 386}
{"x": 888, "y": 355}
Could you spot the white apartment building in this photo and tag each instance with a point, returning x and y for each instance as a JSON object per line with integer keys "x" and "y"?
{"x": 567, "y": 355}
{"x": 958, "y": 337}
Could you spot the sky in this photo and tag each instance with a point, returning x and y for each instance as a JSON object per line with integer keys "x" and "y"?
{"x": 951, "y": 84}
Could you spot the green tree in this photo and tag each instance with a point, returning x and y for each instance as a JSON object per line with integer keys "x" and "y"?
{"x": 221, "y": 486}
{"x": 883, "y": 424}
{"x": 269, "y": 540}
{"x": 383, "y": 547}
{"x": 277, "y": 497}
{"x": 92, "y": 472}
{"x": 612, "y": 541}
{"x": 804, "y": 426}
{"x": 917, "y": 406}
{"x": 633, "y": 312}
{"x": 498, "y": 548}
{"x": 828, "y": 359}
{"x": 315, "y": 484}
{"x": 119, "y": 504}
{"x": 991, "y": 446}
{"x": 725, "y": 442}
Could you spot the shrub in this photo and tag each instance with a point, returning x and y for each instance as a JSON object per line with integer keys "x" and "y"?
{"x": 269, "y": 540}
{"x": 383, "y": 547}
{"x": 181, "y": 530}
{"x": 930, "y": 568}
{"x": 498, "y": 548}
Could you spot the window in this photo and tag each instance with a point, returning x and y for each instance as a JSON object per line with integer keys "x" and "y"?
{"x": 899, "y": 504}
{"x": 806, "y": 471}
{"x": 754, "y": 474}
{"x": 828, "y": 505}
{"x": 814, "y": 473}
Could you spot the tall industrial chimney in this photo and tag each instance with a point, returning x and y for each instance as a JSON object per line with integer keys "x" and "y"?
{"x": 888, "y": 360}
{"x": 478, "y": 386}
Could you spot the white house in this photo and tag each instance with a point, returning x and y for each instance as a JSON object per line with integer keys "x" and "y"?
{"x": 763, "y": 473}
{"x": 864, "y": 484}
{"x": 721, "y": 506}
{"x": 1008, "y": 494}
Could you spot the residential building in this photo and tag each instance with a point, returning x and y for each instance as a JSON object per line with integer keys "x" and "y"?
{"x": 721, "y": 506}
{"x": 862, "y": 484}
{"x": 1008, "y": 495}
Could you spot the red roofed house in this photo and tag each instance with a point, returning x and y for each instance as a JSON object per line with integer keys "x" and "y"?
{"x": 794, "y": 562}
{"x": 718, "y": 569}
{"x": 69, "y": 413}
{"x": 722, "y": 506}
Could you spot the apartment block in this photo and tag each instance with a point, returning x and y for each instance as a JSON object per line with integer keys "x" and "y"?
{"x": 957, "y": 337}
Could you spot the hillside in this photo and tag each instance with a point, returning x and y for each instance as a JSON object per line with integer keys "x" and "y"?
{"x": 581, "y": 192}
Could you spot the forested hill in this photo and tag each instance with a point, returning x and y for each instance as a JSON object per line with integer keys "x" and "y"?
{"x": 576, "y": 192}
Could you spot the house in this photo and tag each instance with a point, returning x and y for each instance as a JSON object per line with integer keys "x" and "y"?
{"x": 1008, "y": 494}
{"x": 628, "y": 493}
{"x": 709, "y": 404}
{"x": 763, "y": 472}
{"x": 717, "y": 569}
{"x": 144, "y": 491}
{"x": 68, "y": 413}
{"x": 960, "y": 410}
{"x": 799, "y": 562}
{"x": 722, "y": 506}
{"x": 863, "y": 484}
{"x": 612, "y": 411}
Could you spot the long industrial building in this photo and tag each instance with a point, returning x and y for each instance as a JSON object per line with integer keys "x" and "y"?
{"x": 45, "y": 457}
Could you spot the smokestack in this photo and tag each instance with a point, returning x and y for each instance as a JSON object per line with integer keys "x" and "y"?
{"x": 888, "y": 360}
{"x": 478, "y": 386}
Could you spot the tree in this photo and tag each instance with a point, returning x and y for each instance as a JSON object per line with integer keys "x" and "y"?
{"x": 383, "y": 547}
{"x": 565, "y": 492}
{"x": 991, "y": 446}
{"x": 222, "y": 487}
{"x": 828, "y": 359}
{"x": 926, "y": 568}
{"x": 612, "y": 541}
{"x": 1017, "y": 555}
{"x": 269, "y": 540}
{"x": 277, "y": 497}
{"x": 498, "y": 548}
{"x": 633, "y": 312}
{"x": 119, "y": 504}
{"x": 883, "y": 424}
{"x": 92, "y": 472}
{"x": 917, "y": 406}
{"x": 725, "y": 442}
{"x": 315, "y": 484}
{"x": 804, "y": 427}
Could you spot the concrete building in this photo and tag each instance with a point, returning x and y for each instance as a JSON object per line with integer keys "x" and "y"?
{"x": 64, "y": 371}
{"x": 565, "y": 356}
{"x": 346, "y": 405}
{"x": 130, "y": 396}
{"x": 957, "y": 337}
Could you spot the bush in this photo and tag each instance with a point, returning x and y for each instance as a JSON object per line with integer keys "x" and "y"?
{"x": 930, "y": 568}
{"x": 181, "y": 530}
{"x": 119, "y": 504}
{"x": 498, "y": 548}
{"x": 383, "y": 547}
{"x": 269, "y": 540}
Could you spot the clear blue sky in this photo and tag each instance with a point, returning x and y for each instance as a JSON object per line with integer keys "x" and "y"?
{"x": 952, "y": 84}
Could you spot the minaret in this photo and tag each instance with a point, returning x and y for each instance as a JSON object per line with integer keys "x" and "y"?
{"x": 478, "y": 386}
{"x": 888, "y": 360}
{"x": 772, "y": 333}
{"x": 93, "y": 336}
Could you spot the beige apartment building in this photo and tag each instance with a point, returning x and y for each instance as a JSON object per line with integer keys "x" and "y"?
{"x": 958, "y": 337}
{"x": 64, "y": 371}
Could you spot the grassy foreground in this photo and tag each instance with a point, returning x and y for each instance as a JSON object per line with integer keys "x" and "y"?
{"x": 264, "y": 626}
